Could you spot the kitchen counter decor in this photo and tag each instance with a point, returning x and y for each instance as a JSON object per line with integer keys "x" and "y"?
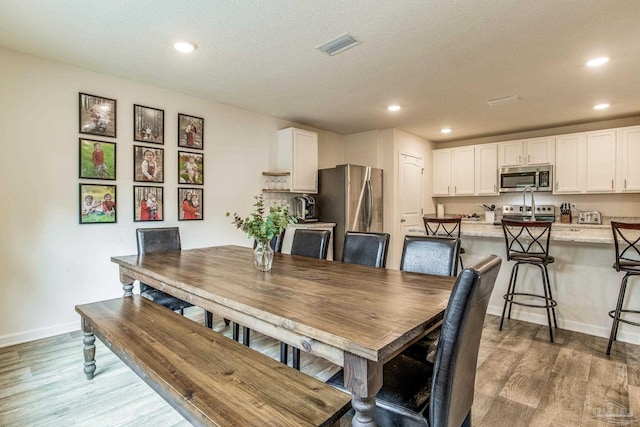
{"x": 262, "y": 225}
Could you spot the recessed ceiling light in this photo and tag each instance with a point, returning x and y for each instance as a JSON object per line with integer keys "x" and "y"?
{"x": 596, "y": 62}
{"x": 393, "y": 108}
{"x": 445, "y": 130}
{"x": 184, "y": 46}
{"x": 601, "y": 106}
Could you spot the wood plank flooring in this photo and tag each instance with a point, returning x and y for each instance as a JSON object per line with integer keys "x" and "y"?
{"x": 522, "y": 380}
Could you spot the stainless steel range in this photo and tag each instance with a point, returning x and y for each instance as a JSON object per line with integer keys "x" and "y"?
{"x": 523, "y": 213}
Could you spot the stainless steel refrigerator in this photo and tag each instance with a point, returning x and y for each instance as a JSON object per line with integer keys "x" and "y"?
{"x": 350, "y": 196}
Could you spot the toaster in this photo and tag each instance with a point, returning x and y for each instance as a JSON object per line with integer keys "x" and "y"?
{"x": 592, "y": 217}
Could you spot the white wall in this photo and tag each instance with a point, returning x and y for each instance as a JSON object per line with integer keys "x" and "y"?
{"x": 49, "y": 262}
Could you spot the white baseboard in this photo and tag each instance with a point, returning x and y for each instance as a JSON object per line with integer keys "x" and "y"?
{"x": 36, "y": 334}
{"x": 595, "y": 330}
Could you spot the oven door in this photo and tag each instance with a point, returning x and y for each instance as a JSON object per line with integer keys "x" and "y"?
{"x": 515, "y": 179}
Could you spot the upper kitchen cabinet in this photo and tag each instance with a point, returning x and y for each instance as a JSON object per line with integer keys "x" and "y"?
{"x": 628, "y": 154}
{"x": 601, "y": 161}
{"x": 298, "y": 155}
{"x": 570, "y": 167}
{"x": 453, "y": 171}
{"x": 486, "y": 158}
{"x": 536, "y": 151}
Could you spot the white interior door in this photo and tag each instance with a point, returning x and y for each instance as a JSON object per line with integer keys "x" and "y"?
{"x": 410, "y": 191}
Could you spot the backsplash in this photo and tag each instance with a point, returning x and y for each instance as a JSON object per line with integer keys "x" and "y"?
{"x": 609, "y": 205}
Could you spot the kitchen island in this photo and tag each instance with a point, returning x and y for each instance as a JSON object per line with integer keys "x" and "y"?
{"x": 582, "y": 278}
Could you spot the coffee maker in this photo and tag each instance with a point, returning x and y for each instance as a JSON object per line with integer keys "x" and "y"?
{"x": 304, "y": 208}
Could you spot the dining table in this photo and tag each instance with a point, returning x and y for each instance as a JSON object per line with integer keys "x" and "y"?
{"x": 355, "y": 316}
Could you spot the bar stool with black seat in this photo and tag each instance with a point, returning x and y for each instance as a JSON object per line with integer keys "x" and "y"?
{"x": 313, "y": 244}
{"x": 163, "y": 239}
{"x": 276, "y": 245}
{"x": 528, "y": 244}
{"x": 626, "y": 239}
{"x": 445, "y": 227}
{"x": 365, "y": 248}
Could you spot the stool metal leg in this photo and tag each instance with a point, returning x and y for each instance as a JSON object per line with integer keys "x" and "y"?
{"x": 616, "y": 318}
{"x": 284, "y": 353}
{"x": 513, "y": 289}
{"x": 553, "y": 306}
{"x": 506, "y": 297}
{"x": 547, "y": 300}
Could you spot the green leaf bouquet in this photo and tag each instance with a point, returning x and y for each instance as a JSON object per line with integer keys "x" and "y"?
{"x": 264, "y": 224}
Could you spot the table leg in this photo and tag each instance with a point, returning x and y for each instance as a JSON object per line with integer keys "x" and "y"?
{"x": 127, "y": 284}
{"x": 89, "y": 349}
{"x": 363, "y": 378}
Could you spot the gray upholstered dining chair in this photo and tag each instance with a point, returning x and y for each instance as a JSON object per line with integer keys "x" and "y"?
{"x": 165, "y": 239}
{"x": 313, "y": 244}
{"x": 430, "y": 255}
{"x": 276, "y": 245}
{"x": 420, "y": 393}
{"x": 365, "y": 248}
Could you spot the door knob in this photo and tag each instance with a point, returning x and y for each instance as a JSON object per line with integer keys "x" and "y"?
{"x": 403, "y": 220}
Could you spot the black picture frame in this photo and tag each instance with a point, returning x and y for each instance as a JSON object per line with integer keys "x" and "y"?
{"x": 92, "y": 207}
{"x": 143, "y": 210}
{"x": 190, "y": 132}
{"x": 148, "y": 124}
{"x": 97, "y": 115}
{"x": 146, "y": 169}
{"x": 190, "y": 168}
{"x": 96, "y": 159}
{"x": 186, "y": 209}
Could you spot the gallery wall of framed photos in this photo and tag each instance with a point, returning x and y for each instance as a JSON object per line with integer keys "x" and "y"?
{"x": 97, "y": 161}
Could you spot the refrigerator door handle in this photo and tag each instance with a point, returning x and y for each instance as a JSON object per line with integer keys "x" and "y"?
{"x": 368, "y": 212}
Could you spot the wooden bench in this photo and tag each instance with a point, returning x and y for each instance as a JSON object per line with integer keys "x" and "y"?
{"x": 208, "y": 378}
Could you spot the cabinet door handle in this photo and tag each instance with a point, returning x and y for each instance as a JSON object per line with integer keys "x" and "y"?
{"x": 495, "y": 188}
{"x": 612, "y": 186}
{"x": 528, "y": 158}
{"x": 448, "y": 189}
{"x": 403, "y": 220}
{"x": 625, "y": 183}
{"x": 556, "y": 185}
{"x": 455, "y": 189}
{"x": 519, "y": 159}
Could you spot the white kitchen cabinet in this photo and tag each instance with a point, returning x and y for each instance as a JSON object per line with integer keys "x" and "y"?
{"x": 628, "y": 178}
{"x": 486, "y": 170}
{"x": 570, "y": 164}
{"x": 453, "y": 171}
{"x": 524, "y": 152}
{"x": 601, "y": 161}
{"x": 297, "y": 153}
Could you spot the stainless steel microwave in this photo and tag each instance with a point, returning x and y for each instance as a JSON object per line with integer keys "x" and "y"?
{"x": 539, "y": 178}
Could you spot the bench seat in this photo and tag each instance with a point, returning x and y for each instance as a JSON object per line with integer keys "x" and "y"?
{"x": 208, "y": 378}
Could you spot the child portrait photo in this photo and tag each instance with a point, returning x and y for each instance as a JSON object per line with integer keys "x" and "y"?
{"x": 190, "y": 168}
{"x": 190, "y": 132}
{"x": 190, "y": 204}
{"x": 148, "y": 124}
{"x": 97, "y": 159}
{"x": 97, "y": 115}
{"x": 97, "y": 204}
{"x": 148, "y": 204}
{"x": 148, "y": 164}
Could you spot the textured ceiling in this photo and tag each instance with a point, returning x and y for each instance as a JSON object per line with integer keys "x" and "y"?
{"x": 440, "y": 59}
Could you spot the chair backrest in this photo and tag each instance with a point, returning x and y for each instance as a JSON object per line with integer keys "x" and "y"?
{"x": 446, "y": 227}
{"x": 626, "y": 239}
{"x": 529, "y": 238}
{"x": 430, "y": 255}
{"x": 152, "y": 240}
{"x": 454, "y": 372}
{"x": 365, "y": 248}
{"x": 310, "y": 243}
{"x": 275, "y": 242}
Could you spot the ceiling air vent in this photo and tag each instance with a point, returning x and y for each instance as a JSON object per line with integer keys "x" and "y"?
{"x": 504, "y": 100}
{"x": 339, "y": 44}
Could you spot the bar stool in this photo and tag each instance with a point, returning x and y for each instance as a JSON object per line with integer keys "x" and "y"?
{"x": 528, "y": 243}
{"x": 626, "y": 239}
{"x": 445, "y": 227}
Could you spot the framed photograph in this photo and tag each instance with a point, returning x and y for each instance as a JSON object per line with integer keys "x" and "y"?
{"x": 148, "y": 124}
{"x": 190, "y": 168}
{"x": 148, "y": 164}
{"x": 190, "y": 204}
{"x": 97, "y": 204}
{"x": 97, "y": 115}
{"x": 190, "y": 132}
{"x": 148, "y": 203}
{"x": 97, "y": 159}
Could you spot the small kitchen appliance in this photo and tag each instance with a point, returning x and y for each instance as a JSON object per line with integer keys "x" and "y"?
{"x": 514, "y": 179}
{"x": 589, "y": 217}
{"x": 305, "y": 208}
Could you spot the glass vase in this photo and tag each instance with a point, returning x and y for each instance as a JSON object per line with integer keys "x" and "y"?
{"x": 263, "y": 255}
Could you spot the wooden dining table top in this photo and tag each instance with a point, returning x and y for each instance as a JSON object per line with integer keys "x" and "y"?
{"x": 370, "y": 312}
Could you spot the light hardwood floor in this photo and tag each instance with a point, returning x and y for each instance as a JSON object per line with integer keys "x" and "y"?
{"x": 522, "y": 380}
